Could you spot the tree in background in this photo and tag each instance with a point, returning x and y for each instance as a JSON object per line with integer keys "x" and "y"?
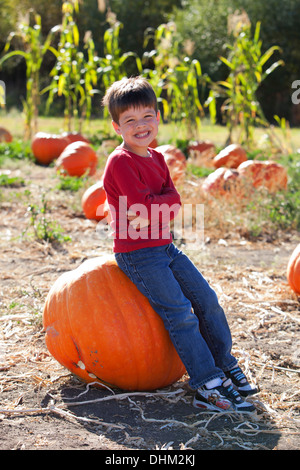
{"x": 205, "y": 23}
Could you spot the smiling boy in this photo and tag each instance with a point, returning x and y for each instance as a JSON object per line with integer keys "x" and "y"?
{"x": 143, "y": 200}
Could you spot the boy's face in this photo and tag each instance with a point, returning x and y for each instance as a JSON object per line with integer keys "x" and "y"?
{"x": 138, "y": 127}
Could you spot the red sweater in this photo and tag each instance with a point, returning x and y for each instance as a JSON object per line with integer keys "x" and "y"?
{"x": 144, "y": 186}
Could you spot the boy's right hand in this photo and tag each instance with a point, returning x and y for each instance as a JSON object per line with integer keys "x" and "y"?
{"x": 137, "y": 221}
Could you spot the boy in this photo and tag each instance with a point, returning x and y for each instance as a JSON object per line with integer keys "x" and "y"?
{"x": 143, "y": 200}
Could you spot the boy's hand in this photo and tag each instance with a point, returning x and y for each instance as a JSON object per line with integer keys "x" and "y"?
{"x": 137, "y": 221}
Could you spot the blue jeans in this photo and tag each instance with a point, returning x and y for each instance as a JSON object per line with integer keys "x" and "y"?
{"x": 188, "y": 306}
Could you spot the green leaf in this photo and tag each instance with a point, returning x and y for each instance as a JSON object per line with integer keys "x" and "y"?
{"x": 266, "y": 56}
{"x": 257, "y": 31}
{"x": 226, "y": 62}
{"x": 272, "y": 68}
{"x": 61, "y": 84}
{"x": 13, "y": 53}
{"x": 225, "y": 84}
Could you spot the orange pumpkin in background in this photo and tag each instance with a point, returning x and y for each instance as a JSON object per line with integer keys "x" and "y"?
{"x": 100, "y": 327}
{"x": 5, "y": 135}
{"x": 268, "y": 174}
{"x": 201, "y": 146}
{"x": 93, "y": 200}
{"x": 202, "y": 153}
{"x": 221, "y": 182}
{"x": 77, "y": 159}
{"x": 47, "y": 147}
{"x": 153, "y": 144}
{"x": 293, "y": 270}
{"x": 171, "y": 150}
{"x": 230, "y": 157}
{"x": 175, "y": 160}
{"x": 75, "y": 137}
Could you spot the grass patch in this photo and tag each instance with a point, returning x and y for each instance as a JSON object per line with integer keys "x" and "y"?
{"x": 16, "y": 150}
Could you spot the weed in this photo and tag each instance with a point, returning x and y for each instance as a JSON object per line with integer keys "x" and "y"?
{"x": 43, "y": 227}
{"x": 16, "y": 150}
{"x": 71, "y": 183}
{"x": 11, "y": 181}
{"x": 199, "y": 171}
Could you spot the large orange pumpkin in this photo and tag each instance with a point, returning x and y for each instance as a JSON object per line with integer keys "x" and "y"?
{"x": 77, "y": 159}
{"x": 100, "y": 327}
{"x": 293, "y": 270}
{"x": 93, "y": 200}
{"x": 47, "y": 147}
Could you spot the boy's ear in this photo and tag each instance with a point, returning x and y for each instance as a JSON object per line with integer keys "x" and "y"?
{"x": 158, "y": 116}
{"x": 116, "y": 127}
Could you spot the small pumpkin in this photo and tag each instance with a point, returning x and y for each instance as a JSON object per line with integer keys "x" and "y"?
{"x": 268, "y": 174}
{"x": 293, "y": 270}
{"x": 175, "y": 160}
{"x": 77, "y": 159}
{"x": 75, "y": 137}
{"x": 201, "y": 146}
{"x": 153, "y": 144}
{"x": 47, "y": 147}
{"x": 100, "y": 327}
{"x": 230, "y": 157}
{"x": 222, "y": 182}
{"x": 5, "y": 135}
{"x": 171, "y": 150}
{"x": 202, "y": 153}
{"x": 93, "y": 200}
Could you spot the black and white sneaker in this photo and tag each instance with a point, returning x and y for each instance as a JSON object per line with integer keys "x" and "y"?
{"x": 240, "y": 382}
{"x": 221, "y": 398}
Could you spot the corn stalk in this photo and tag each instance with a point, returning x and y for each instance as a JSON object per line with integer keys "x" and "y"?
{"x": 112, "y": 67}
{"x": 175, "y": 77}
{"x": 73, "y": 76}
{"x": 33, "y": 53}
{"x": 246, "y": 64}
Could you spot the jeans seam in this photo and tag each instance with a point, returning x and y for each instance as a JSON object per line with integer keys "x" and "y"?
{"x": 194, "y": 301}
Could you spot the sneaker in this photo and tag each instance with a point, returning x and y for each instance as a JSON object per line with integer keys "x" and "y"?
{"x": 240, "y": 382}
{"x": 221, "y": 398}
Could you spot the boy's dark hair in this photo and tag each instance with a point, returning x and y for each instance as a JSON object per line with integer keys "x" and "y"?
{"x": 127, "y": 93}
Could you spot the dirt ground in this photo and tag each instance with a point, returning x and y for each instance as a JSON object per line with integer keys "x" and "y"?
{"x": 44, "y": 407}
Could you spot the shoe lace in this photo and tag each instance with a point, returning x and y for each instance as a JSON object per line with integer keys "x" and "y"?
{"x": 238, "y": 374}
{"x": 230, "y": 392}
